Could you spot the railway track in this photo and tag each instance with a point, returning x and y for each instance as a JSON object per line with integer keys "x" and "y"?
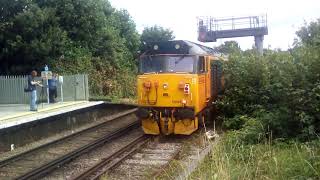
{"x": 96, "y": 171}
{"x": 140, "y": 159}
{"x": 147, "y": 162}
{"x": 37, "y": 162}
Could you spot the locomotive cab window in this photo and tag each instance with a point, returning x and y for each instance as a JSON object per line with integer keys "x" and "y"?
{"x": 167, "y": 64}
{"x": 201, "y": 65}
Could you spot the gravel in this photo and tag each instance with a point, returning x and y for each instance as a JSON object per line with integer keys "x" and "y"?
{"x": 80, "y": 164}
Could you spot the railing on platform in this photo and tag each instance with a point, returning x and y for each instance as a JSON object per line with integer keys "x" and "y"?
{"x": 74, "y": 88}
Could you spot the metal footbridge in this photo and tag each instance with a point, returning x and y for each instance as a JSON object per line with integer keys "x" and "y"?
{"x": 210, "y": 29}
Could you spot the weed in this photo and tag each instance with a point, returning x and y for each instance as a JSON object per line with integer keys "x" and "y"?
{"x": 280, "y": 160}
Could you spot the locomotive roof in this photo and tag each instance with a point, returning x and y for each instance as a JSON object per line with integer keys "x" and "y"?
{"x": 178, "y": 47}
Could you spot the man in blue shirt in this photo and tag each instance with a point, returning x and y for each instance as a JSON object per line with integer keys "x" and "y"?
{"x": 53, "y": 88}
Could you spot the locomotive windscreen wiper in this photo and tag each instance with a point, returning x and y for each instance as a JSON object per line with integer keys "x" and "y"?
{"x": 180, "y": 59}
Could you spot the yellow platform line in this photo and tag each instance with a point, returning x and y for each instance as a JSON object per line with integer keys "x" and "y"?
{"x": 41, "y": 110}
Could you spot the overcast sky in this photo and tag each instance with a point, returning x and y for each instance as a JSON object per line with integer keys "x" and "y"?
{"x": 284, "y": 16}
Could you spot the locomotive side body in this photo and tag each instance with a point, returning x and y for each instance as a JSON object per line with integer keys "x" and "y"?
{"x": 174, "y": 88}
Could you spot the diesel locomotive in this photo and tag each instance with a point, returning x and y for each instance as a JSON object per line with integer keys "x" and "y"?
{"x": 177, "y": 84}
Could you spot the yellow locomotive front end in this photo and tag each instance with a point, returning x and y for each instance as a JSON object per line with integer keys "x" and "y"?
{"x": 173, "y": 88}
{"x": 167, "y": 103}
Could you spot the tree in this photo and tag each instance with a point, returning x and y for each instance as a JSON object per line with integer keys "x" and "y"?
{"x": 127, "y": 27}
{"x": 71, "y": 36}
{"x": 280, "y": 90}
{"x": 30, "y": 39}
{"x": 156, "y": 33}
{"x": 309, "y": 34}
{"x": 9, "y": 9}
{"x": 228, "y": 47}
{"x": 129, "y": 35}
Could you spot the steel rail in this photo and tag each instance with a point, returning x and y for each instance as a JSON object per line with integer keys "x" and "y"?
{"x": 109, "y": 162}
{"x": 18, "y": 156}
{"x": 39, "y": 172}
{"x": 162, "y": 168}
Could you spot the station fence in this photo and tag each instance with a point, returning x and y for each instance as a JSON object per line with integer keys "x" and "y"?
{"x": 73, "y": 88}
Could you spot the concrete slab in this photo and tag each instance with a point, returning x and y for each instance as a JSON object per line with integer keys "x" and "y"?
{"x": 13, "y": 115}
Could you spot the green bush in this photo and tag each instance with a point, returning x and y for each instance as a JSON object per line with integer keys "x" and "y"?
{"x": 280, "y": 90}
{"x": 250, "y": 131}
{"x": 236, "y": 159}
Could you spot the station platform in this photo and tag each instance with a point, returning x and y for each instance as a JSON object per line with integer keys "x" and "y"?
{"x": 17, "y": 114}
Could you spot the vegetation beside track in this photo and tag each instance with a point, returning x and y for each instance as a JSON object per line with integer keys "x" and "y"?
{"x": 232, "y": 159}
{"x": 271, "y": 113}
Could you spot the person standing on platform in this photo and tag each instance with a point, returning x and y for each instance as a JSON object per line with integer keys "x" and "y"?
{"x": 32, "y": 83}
{"x": 53, "y": 88}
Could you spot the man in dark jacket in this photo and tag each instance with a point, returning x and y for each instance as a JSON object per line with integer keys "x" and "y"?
{"x": 32, "y": 83}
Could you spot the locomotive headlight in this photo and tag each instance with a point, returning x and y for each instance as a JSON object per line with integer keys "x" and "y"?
{"x": 183, "y": 101}
{"x": 155, "y": 47}
{"x": 165, "y": 85}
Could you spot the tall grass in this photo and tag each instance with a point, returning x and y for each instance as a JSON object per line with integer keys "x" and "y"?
{"x": 278, "y": 160}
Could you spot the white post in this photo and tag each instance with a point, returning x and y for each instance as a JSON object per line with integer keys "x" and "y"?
{"x": 48, "y": 90}
{"x": 61, "y": 87}
{"x": 46, "y": 69}
{"x": 61, "y": 93}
